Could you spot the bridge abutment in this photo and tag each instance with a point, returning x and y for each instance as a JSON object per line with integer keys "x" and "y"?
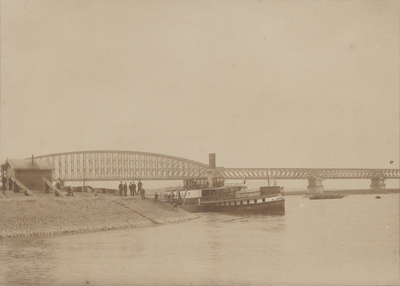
{"x": 378, "y": 184}
{"x": 315, "y": 186}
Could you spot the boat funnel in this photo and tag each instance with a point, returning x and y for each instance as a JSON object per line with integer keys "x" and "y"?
{"x": 211, "y": 158}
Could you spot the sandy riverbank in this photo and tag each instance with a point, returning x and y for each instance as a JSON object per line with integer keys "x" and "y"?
{"x": 48, "y": 215}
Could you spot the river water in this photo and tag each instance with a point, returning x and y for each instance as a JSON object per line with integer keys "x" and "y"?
{"x": 351, "y": 241}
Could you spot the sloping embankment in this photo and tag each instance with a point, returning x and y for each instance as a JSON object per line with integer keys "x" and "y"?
{"x": 27, "y": 217}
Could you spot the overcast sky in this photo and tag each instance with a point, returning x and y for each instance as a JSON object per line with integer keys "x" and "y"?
{"x": 259, "y": 83}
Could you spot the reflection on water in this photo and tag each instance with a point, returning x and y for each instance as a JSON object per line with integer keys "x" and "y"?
{"x": 27, "y": 260}
{"x": 350, "y": 241}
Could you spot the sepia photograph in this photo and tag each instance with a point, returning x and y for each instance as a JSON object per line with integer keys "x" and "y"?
{"x": 199, "y": 142}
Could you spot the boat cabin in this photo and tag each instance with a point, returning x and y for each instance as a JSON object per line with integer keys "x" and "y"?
{"x": 195, "y": 183}
{"x": 264, "y": 191}
{"x": 203, "y": 183}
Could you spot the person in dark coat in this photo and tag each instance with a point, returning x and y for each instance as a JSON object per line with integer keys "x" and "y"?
{"x": 179, "y": 198}
{"x": 121, "y": 188}
{"x": 155, "y": 197}
{"x": 4, "y": 183}
{"x": 143, "y": 192}
{"x": 69, "y": 191}
{"x": 125, "y": 189}
{"x": 140, "y": 185}
{"x": 130, "y": 188}
{"x": 134, "y": 189}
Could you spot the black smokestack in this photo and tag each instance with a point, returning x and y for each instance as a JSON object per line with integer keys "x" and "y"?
{"x": 211, "y": 158}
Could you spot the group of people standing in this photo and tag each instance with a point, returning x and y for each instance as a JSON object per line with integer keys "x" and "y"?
{"x": 12, "y": 186}
{"x": 123, "y": 189}
{"x": 175, "y": 200}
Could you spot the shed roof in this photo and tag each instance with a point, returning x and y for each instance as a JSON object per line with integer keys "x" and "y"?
{"x": 26, "y": 164}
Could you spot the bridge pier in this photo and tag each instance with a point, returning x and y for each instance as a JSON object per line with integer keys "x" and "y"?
{"x": 378, "y": 184}
{"x": 315, "y": 186}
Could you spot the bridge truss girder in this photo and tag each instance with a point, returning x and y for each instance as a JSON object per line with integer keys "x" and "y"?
{"x": 307, "y": 173}
{"x": 132, "y": 165}
{"x": 122, "y": 165}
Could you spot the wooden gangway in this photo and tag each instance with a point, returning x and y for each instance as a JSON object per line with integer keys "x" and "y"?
{"x": 51, "y": 186}
{"x": 19, "y": 184}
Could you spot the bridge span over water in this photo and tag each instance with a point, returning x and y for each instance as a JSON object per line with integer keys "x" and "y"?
{"x": 112, "y": 165}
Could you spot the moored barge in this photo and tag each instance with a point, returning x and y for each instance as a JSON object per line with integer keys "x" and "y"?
{"x": 325, "y": 196}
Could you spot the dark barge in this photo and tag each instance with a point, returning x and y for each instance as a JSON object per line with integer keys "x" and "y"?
{"x": 324, "y": 196}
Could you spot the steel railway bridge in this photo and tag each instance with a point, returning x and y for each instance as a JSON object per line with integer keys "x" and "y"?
{"x": 110, "y": 165}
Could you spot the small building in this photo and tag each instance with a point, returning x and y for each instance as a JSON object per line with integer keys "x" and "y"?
{"x": 28, "y": 171}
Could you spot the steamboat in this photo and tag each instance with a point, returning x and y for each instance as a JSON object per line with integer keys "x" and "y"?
{"x": 210, "y": 194}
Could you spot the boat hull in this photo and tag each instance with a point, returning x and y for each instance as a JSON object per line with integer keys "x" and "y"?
{"x": 327, "y": 197}
{"x": 276, "y": 207}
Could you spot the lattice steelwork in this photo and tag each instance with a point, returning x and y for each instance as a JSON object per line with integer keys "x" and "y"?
{"x": 131, "y": 165}
{"x": 122, "y": 165}
{"x": 291, "y": 173}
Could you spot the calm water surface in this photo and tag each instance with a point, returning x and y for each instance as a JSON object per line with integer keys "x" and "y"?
{"x": 350, "y": 241}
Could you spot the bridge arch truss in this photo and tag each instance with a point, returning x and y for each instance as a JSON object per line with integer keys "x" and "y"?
{"x": 122, "y": 165}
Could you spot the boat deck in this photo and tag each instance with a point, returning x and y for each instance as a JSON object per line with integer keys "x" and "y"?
{"x": 236, "y": 199}
{"x": 255, "y": 195}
